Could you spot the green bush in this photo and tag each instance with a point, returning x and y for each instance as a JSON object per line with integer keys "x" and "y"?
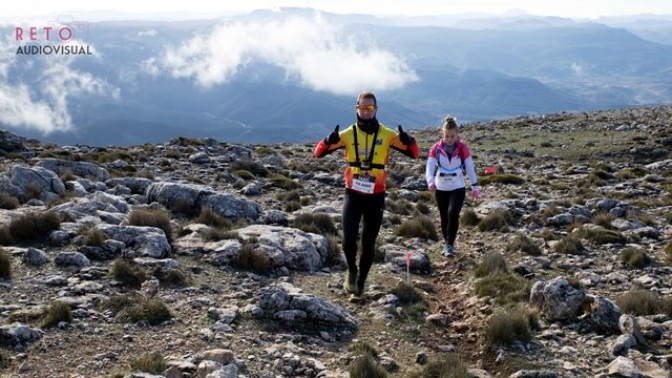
{"x": 399, "y": 207}
{"x": 505, "y": 288}
{"x": 68, "y": 175}
{"x": 493, "y": 263}
{"x": 569, "y": 245}
{"x": 423, "y": 208}
{"x": 8, "y": 202}
{"x": 34, "y": 225}
{"x": 643, "y": 303}
{"x": 366, "y": 367}
{"x": 57, "y": 312}
{"x": 360, "y": 348}
{"x": 152, "y": 311}
{"x": 5, "y": 265}
{"x": 634, "y": 257}
{"x": 426, "y": 196}
{"x": 212, "y": 219}
{"x": 574, "y": 282}
{"x": 668, "y": 253}
{"x": 604, "y": 220}
{"x": 215, "y": 234}
{"x": 524, "y": 244}
{"x": 252, "y": 166}
{"x": 407, "y": 293}
{"x": 252, "y": 259}
{"x": 378, "y": 253}
{"x": 95, "y": 237}
{"x": 33, "y": 191}
{"x": 506, "y": 326}
{"x": 128, "y": 274}
{"x": 420, "y": 226}
{"x": 333, "y": 250}
{"x": 284, "y": 182}
{"x": 469, "y": 218}
{"x": 153, "y": 363}
{"x": 152, "y": 218}
{"x": 5, "y": 236}
{"x": 497, "y": 220}
{"x": 292, "y": 206}
{"x": 447, "y": 365}
{"x": 503, "y": 178}
{"x": 317, "y": 223}
{"x": 394, "y": 219}
{"x": 170, "y": 277}
{"x": 293, "y": 196}
{"x": 603, "y": 236}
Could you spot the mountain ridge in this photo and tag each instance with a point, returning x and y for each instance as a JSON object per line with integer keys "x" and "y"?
{"x": 522, "y": 65}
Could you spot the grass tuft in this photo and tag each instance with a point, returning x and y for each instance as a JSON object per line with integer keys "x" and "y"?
{"x": 497, "y": 220}
{"x": 316, "y": 223}
{"x": 506, "y": 326}
{"x": 128, "y": 274}
{"x": 152, "y": 218}
{"x": 366, "y": 367}
{"x": 5, "y": 265}
{"x": 420, "y": 226}
{"x": 34, "y": 225}
{"x": 634, "y": 258}
{"x": 447, "y": 365}
{"x": 493, "y": 263}
{"x": 252, "y": 259}
{"x": 524, "y": 244}
{"x": 643, "y": 303}
{"x": 153, "y": 363}
{"x": 57, "y": 312}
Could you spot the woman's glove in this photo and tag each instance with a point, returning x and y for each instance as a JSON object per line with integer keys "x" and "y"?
{"x": 475, "y": 192}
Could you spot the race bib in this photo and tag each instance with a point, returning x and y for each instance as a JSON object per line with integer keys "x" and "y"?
{"x": 447, "y": 180}
{"x": 362, "y": 185}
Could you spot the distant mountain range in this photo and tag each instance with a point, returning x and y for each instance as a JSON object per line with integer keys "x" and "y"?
{"x": 275, "y": 76}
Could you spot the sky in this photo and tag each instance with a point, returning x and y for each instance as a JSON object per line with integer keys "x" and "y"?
{"x": 308, "y": 49}
{"x": 207, "y": 8}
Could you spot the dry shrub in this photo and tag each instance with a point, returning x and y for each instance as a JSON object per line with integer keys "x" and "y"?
{"x": 57, "y": 312}
{"x": 643, "y": 303}
{"x": 524, "y": 244}
{"x": 34, "y": 225}
{"x": 497, "y": 220}
{"x": 420, "y": 226}
{"x": 493, "y": 263}
{"x": 5, "y": 265}
{"x": 634, "y": 257}
{"x": 317, "y": 223}
{"x": 152, "y": 218}
{"x": 128, "y": 274}
{"x": 252, "y": 259}
{"x": 508, "y": 325}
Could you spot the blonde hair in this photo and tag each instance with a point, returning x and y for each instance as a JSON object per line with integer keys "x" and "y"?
{"x": 449, "y": 123}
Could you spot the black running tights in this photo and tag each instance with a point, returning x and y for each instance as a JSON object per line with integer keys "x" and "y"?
{"x": 450, "y": 204}
{"x": 356, "y": 206}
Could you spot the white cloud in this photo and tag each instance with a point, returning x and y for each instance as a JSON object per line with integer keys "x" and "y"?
{"x": 578, "y": 69}
{"x": 319, "y": 54}
{"x": 43, "y": 103}
{"x": 148, "y": 33}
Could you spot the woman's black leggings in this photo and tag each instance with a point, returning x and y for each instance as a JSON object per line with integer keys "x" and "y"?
{"x": 355, "y": 207}
{"x": 450, "y": 204}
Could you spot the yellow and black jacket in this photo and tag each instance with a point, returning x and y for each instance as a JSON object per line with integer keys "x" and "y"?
{"x": 367, "y": 155}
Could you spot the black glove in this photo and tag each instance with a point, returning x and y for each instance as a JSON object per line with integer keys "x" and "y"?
{"x": 333, "y": 138}
{"x": 404, "y": 137}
